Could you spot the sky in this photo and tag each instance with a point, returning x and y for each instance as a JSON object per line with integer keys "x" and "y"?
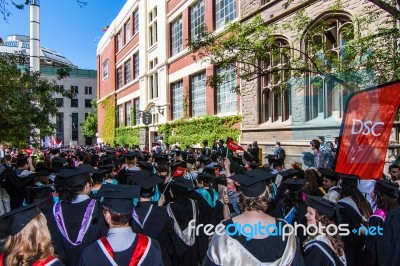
{"x": 65, "y": 27}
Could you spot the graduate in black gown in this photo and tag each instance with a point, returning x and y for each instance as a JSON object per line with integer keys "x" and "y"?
{"x": 76, "y": 221}
{"x": 389, "y": 246}
{"x": 26, "y": 226}
{"x": 183, "y": 210}
{"x": 355, "y": 212}
{"x": 129, "y": 167}
{"x": 121, "y": 246}
{"x": 244, "y": 249}
{"x": 323, "y": 249}
{"x": 385, "y": 197}
{"x": 149, "y": 219}
{"x": 211, "y": 209}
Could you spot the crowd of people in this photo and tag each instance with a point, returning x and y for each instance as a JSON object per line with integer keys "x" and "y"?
{"x": 97, "y": 205}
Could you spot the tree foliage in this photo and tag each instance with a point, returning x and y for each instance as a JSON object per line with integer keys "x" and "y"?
{"x": 89, "y": 126}
{"x": 26, "y": 102}
{"x": 364, "y": 58}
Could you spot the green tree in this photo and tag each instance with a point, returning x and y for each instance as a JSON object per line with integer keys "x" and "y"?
{"x": 365, "y": 57}
{"x": 89, "y": 126}
{"x": 26, "y": 102}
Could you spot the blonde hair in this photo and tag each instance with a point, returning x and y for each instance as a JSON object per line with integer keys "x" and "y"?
{"x": 31, "y": 244}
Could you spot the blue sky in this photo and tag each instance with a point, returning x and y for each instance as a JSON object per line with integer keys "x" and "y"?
{"x": 65, "y": 27}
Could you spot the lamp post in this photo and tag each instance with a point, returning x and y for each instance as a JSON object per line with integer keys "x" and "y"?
{"x": 34, "y": 45}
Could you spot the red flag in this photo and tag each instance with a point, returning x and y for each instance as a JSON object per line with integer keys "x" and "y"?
{"x": 365, "y": 131}
{"x": 28, "y": 151}
{"x": 233, "y": 146}
{"x": 180, "y": 171}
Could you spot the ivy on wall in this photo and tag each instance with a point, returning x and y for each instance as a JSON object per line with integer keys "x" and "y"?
{"x": 127, "y": 135}
{"x": 193, "y": 131}
{"x": 110, "y": 120}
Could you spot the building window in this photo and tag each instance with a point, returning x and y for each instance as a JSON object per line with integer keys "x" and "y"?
{"x": 88, "y": 90}
{"x": 120, "y": 115}
{"x": 274, "y": 91}
{"x": 74, "y": 90}
{"x": 225, "y": 11}
{"x": 119, "y": 77}
{"x": 128, "y": 114}
{"x": 177, "y": 100}
{"x": 176, "y": 36}
{"x": 88, "y": 103}
{"x": 74, "y": 102}
{"x": 105, "y": 69}
{"x": 198, "y": 94}
{"x": 75, "y": 126}
{"x": 128, "y": 76}
{"x": 60, "y": 127}
{"x": 226, "y": 95}
{"x": 197, "y": 21}
{"x": 119, "y": 41}
{"x": 153, "y": 86}
{"x": 127, "y": 30}
{"x": 323, "y": 98}
{"x": 86, "y": 115}
{"x": 136, "y": 22}
{"x": 136, "y": 70}
{"x": 136, "y": 103}
{"x": 60, "y": 102}
{"x": 153, "y": 27}
{"x": 60, "y": 87}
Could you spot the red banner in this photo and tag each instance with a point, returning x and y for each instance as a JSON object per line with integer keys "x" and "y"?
{"x": 233, "y": 146}
{"x": 365, "y": 131}
{"x": 180, "y": 171}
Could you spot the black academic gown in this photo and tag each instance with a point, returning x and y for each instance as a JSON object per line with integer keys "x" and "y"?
{"x": 353, "y": 243}
{"x": 207, "y": 215}
{"x": 158, "y": 226}
{"x": 370, "y": 251}
{"x": 183, "y": 254}
{"x": 299, "y": 216}
{"x": 389, "y": 244}
{"x": 319, "y": 253}
{"x": 73, "y": 215}
{"x": 265, "y": 250}
{"x": 94, "y": 255}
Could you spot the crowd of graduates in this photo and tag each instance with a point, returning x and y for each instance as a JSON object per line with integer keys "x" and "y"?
{"x": 97, "y": 205}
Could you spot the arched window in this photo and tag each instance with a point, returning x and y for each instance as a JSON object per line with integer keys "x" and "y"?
{"x": 325, "y": 42}
{"x": 274, "y": 92}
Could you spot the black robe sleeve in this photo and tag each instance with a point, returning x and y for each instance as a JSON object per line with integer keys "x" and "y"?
{"x": 389, "y": 244}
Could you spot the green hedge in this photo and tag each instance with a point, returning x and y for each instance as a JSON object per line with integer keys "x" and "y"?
{"x": 110, "y": 120}
{"x": 195, "y": 130}
{"x": 127, "y": 135}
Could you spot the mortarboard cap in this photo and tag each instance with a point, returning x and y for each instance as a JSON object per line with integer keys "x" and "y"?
{"x": 324, "y": 206}
{"x": 177, "y": 164}
{"x": 145, "y": 166}
{"x": 119, "y": 198}
{"x": 329, "y": 174}
{"x": 253, "y": 183}
{"x": 76, "y": 177}
{"x": 388, "y": 188}
{"x": 145, "y": 179}
{"x": 19, "y": 218}
{"x": 54, "y": 151}
{"x": 183, "y": 184}
{"x": 248, "y": 157}
{"x": 59, "y": 160}
{"x": 204, "y": 177}
{"x": 349, "y": 180}
{"x": 290, "y": 173}
{"x": 210, "y": 171}
{"x": 42, "y": 192}
{"x": 160, "y": 158}
{"x": 294, "y": 184}
{"x": 107, "y": 167}
{"x": 221, "y": 181}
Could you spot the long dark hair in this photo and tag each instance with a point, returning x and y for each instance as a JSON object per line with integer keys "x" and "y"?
{"x": 362, "y": 204}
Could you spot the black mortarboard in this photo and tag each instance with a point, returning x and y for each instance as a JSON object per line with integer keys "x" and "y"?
{"x": 145, "y": 166}
{"x": 42, "y": 192}
{"x": 236, "y": 168}
{"x": 59, "y": 160}
{"x": 160, "y": 158}
{"x": 76, "y": 177}
{"x": 221, "y": 181}
{"x": 324, "y": 206}
{"x": 183, "y": 184}
{"x": 349, "y": 180}
{"x": 119, "y": 198}
{"x": 203, "y": 159}
{"x": 290, "y": 173}
{"x": 209, "y": 170}
{"x": 271, "y": 158}
{"x": 253, "y": 183}
{"x": 101, "y": 171}
{"x": 329, "y": 174}
{"x": 294, "y": 184}
{"x": 108, "y": 167}
{"x": 248, "y": 157}
{"x": 237, "y": 159}
{"x": 388, "y": 188}
{"x": 278, "y": 162}
{"x": 54, "y": 151}
{"x": 131, "y": 155}
{"x": 205, "y": 177}
{"x": 19, "y": 218}
{"x": 145, "y": 179}
{"x": 253, "y": 165}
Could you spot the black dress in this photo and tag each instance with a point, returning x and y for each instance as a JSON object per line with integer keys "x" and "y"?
{"x": 268, "y": 249}
{"x": 73, "y": 214}
{"x": 207, "y": 215}
{"x": 353, "y": 243}
{"x": 155, "y": 223}
{"x": 183, "y": 212}
{"x": 319, "y": 253}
